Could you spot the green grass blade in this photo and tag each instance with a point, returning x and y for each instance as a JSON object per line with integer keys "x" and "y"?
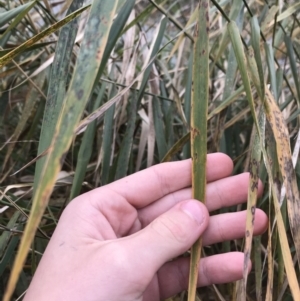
{"x": 161, "y": 120}
{"x": 57, "y": 86}
{"x": 8, "y": 255}
{"x": 85, "y": 151}
{"x": 159, "y": 129}
{"x": 269, "y": 286}
{"x": 269, "y": 19}
{"x": 126, "y": 146}
{"x": 254, "y": 168}
{"x": 280, "y": 34}
{"x": 168, "y": 111}
{"x": 253, "y": 73}
{"x": 230, "y": 77}
{"x": 33, "y": 47}
{"x": 176, "y": 147}
{"x": 235, "y": 10}
{"x": 143, "y": 15}
{"x": 86, "y": 147}
{"x": 288, "y": 12}
{"x": 238, "y": 46}
{"x": 115, "y": 32}
{"x": 123, "y": 159}
{"x": 4, "y": 37}
{"x": 241, "y": 59}
{"x": 180, "y": 39}
{"x": 199, "y": 127}
{"x": 31, "y": 100}
{"x": 284, "y": 155}
{"x": 6, "y": 235}
{"x": 187, "y": 103}
{"x": 107, "y": 137}
{"x": 258, "y": 267}
{"x": 183, "y": 140}
{"x": 255, "y": 42}
{"x": 157, "y": 39}
{"x": 279, "y": 81}
{"x": 100, "y": 111}
{"x": 293, "y": 64}
{"x": 107, "y": 143}
{"x": 271, "y": 67}
{"x": 7, "y": 16}
{"x": 8, "y": 57}
{"x": 89, "y": 59}
{"x": 228, "y": 101}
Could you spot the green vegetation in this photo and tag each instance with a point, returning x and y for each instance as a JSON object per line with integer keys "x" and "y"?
{"x": 93, "y": 91}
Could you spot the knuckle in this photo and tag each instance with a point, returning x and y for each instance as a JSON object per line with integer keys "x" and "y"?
{"x": 170, "y": 229}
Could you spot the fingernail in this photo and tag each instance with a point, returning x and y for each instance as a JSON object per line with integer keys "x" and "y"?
{"x": 193, "y": 209}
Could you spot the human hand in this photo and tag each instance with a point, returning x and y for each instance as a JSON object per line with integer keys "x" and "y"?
{"x": 116, "y": 242}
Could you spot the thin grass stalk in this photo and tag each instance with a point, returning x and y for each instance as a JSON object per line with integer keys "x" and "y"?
{"x": 280, "y": 261}
{"x": 9, "y": 241}
{"x": 127, "y": 142}
{"x": 199, "y": 106}
{"x": 269, "y": 287}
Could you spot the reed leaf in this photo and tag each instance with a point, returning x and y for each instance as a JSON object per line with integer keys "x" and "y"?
{"x": 21, "y": 11}
{"x": 100, "y": 19}
{"x": 32, "y": 98}
{"x": 291, "y": 54}
{"x": 255, "y": 42}
{"x": 199, "y": 127}
{"x": 7, "y": 16}
{"x": 9, "y": 56}
{"x": 281, "y": 135}
{"x": 57, "y": 85}
{"x": 86, "y": 147}
{"x": 254, "y": 169}
{"x": 237, "y": 44}
{"x": 135, "y": 111}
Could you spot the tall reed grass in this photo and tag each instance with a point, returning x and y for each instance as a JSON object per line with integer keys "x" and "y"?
{"x": 91, "y": 91}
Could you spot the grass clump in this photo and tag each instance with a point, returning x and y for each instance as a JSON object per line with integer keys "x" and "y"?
{"x": 78, "y": 112}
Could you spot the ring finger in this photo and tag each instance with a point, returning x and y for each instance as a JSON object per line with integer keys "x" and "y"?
{"x": 222, "y": 193}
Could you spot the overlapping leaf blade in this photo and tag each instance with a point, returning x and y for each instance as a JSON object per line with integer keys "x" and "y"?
{"x": 92, "y": 49}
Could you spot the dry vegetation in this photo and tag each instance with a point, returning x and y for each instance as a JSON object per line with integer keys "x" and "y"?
{"x": 128, "y": 107}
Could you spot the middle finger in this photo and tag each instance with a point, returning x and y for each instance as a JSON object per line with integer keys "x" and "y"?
{"x": 222, "y": 193}
{"x": 229, "y": 226}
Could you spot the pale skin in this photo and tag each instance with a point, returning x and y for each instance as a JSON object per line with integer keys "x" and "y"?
{"x": 121, "y": 241}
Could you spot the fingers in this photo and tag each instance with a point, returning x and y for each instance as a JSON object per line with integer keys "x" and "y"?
{"x": 231, "y": 226}
{"x": 223, "y": 268}
{"x": 228, "y": 192}
{"x": 162, "y": 179}
{"x": 222, "y": 193}
{"x": 167, "y": 237}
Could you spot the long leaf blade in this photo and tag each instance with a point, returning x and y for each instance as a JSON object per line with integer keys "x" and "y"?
{"x": 100, "y": 19}
{"x": 199, "y": 127}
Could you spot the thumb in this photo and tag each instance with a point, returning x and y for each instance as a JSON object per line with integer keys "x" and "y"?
{"x": 168, "y": 236}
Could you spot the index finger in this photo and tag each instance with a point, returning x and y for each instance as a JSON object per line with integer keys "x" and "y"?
{"x": 149, "y": 185}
